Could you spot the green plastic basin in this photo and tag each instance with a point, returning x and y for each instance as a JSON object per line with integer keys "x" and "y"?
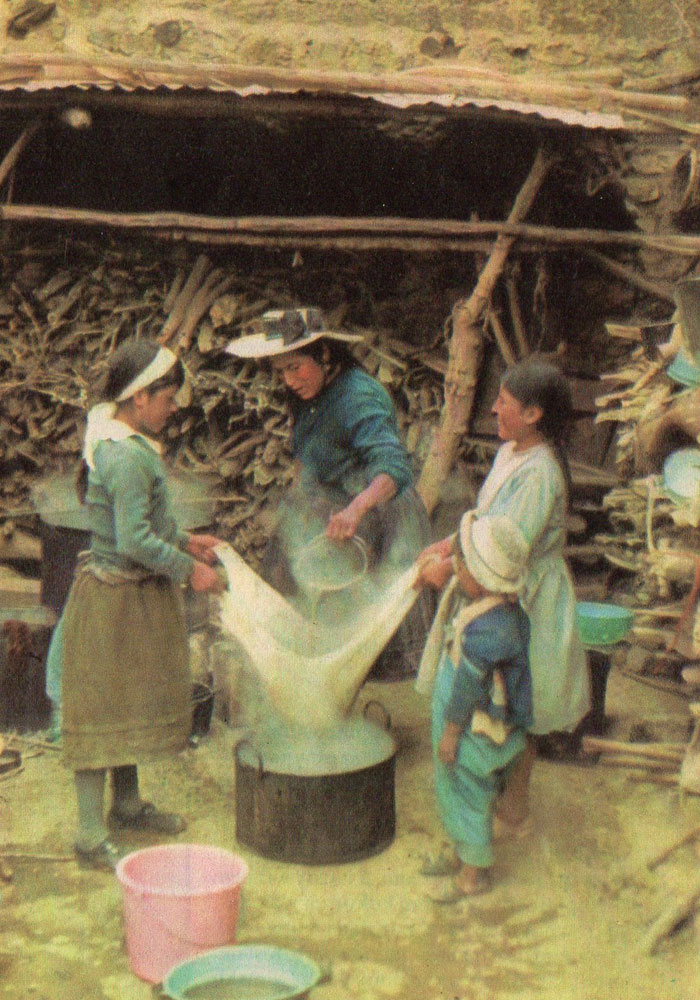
{"x": 602, "y": 624}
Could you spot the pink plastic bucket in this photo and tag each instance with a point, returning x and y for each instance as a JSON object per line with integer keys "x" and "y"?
{"x": 179, "y": 900}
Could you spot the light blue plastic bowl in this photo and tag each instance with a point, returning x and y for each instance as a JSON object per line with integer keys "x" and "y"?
{"x": 291, "y": 974}
{"x": 684, "y": 371}
{"x": 681, "y": 476}
{"x": 602, "y": 624}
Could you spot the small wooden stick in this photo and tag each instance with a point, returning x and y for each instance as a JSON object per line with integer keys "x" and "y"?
{"x": 655, "y": 779}
{"x": 656, "y": 683}
{"x": 28, "y": 856}
{"x": 173, "y": 291}
{"x": 10, "y": 159}
{"x": 658, "y": 751}
{"x": 640, "y": 763}
{"x": 670, "y": 918}
{"x": 33, "y": 743}
{"x": 517, "y": 317}
{"x": 500, "y": 334}
{"x": 662, "y": 856}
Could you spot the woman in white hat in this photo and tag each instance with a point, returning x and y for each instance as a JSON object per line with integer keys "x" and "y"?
{"x": 121, "y": 646}
{"x": 528, "y": 485}
{"x": 354, "y": 474}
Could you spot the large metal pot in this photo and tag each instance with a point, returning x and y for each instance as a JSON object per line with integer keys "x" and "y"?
{"x": 319, "y": 818}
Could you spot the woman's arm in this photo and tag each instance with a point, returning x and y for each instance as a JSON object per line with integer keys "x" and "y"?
{"x": 344, "y": 524}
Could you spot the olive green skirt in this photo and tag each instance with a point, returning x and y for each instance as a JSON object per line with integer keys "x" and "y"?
{"x": 126, "y": 688}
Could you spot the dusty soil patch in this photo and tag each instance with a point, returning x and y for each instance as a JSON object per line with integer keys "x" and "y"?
{"x": 570, "y": 907}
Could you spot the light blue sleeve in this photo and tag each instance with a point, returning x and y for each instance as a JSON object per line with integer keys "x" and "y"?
{"x": 128, "y": 475}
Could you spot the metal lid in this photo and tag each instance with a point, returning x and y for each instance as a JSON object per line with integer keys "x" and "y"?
{"x": 56, "y": 502}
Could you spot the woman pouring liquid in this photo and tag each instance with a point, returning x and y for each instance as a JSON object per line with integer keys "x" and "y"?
{"x": 121, "y": 646}
{"x": 353, "y": 473}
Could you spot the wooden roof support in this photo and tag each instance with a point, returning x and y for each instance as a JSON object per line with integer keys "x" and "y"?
{"x": 435, "y": 234}
{"x": 466, "y": 345}
{"x": 9, "y": 161}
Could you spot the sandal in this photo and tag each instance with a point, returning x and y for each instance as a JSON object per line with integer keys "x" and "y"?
{"x": 147, "y": 818}
{"x": 451, "y": 891}
{"x": 437, "y": 865}
{"x": 104, "y": 857}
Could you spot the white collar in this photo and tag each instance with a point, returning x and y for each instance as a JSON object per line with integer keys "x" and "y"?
{"x": 101, "y": 426}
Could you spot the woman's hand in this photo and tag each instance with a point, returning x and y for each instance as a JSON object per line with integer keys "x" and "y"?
{"x": 449, "y": 743}
{"x": 433, "y": 572}
{"x": 200, "y": 546}
{"x": 204, "y": 579}
{"x": 343, "y": 525}
{"x": 440, "y": 550}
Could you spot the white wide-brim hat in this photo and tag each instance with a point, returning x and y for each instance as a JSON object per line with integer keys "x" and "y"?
{"x": 280, "y": 331}
{"x": 495, "y": 551}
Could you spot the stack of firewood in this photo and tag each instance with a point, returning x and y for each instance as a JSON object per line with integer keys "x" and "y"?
{"x": 655, "y": 535}
{"x": 60, "y": 321}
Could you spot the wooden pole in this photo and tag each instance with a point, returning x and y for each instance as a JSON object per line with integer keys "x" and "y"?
{"x": 466, "y": 346}
{"x": 9, "y": 161}
{"x": 660, "y": 291}
{"x": 662, "y": 856}
{"x": 357, "y": 228}
{"x": 669, "y": 919}
{"x": 517, "y": 317}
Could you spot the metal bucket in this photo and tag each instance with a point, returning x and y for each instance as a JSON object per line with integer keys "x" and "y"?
{"x": 25, "y": 634}
{"x": 314, "y": 819}
{"x": 65, "y": 531}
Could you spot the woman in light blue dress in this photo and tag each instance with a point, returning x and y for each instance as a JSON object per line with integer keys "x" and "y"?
{"x": 529, "y": 485}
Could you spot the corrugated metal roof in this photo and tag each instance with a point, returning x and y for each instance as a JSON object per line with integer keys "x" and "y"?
{"x": 595, "y": 65}
{"x": 580, "y": 104}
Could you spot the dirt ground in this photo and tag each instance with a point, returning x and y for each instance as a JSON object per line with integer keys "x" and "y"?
{"x": 566, "y": 918}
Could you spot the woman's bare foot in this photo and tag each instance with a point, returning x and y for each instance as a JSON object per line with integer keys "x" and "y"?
{"x": 469, "y": 881}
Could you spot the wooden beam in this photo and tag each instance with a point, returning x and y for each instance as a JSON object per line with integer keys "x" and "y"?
{"x": 236, "y": 228}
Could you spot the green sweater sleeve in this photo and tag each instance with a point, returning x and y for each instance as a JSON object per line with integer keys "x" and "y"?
{"x": 145, "y": 531}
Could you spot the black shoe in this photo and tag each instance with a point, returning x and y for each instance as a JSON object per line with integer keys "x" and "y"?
{"x": 147, "y": 818}
{"x": 104, "y": 857}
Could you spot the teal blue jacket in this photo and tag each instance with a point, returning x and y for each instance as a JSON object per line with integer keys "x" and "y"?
{"x": 348, "y": 435}
{"x": 130, "y": 512}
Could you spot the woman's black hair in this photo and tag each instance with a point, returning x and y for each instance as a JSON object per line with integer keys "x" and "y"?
{"x": 128, "y": 361}
{"x": 538, "y": 383}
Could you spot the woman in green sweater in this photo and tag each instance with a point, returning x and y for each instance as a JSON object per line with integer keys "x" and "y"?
{"x": 121, "y": 645}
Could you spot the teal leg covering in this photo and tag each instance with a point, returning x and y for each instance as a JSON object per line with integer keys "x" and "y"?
{"x": 90, "y": 788}
{"x": 125, "y": 790}
{"x": 466, "y": 791}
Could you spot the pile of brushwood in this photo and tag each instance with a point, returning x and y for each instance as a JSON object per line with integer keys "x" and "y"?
{"x": 63, "y": 310}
